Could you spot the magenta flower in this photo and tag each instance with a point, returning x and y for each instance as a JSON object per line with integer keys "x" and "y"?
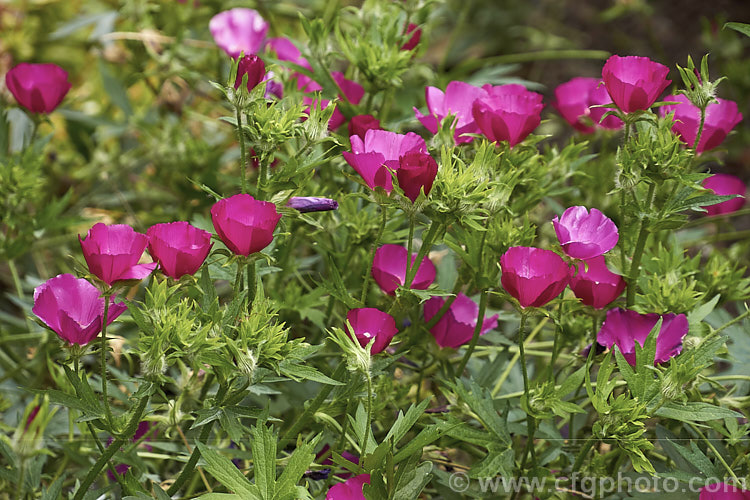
{"x": 533, "y": 276}
{"x": 508, "y": 113}
{"x": 285, "y": 50}
{"x": 457, "y": 101}
{"x": 723, "y": 491}
{"x": 389, "y": 269}
{"x": 634, "y": 82}
{"x": 416, "y": 171}
{"x": 328, "y": 461}
{"x": 73, "y": 308}
{"x": 413, "y": 41}
{"x": 351, "y": 489}
{"x": 352, "y": 92}
{"x": 624, "y": 328}
{"x": 723, "y": 185}
{"x": 574, "y": 100}
{"x": 112, "y": 253}
{"x": 360, "y": 124}
{"x": 457, "y": 325}
{"x": 585, "y": 235}
{"x": 238, "y": 31}
{"x": 178, "y": 247}
{"x": 379, "y": 152}
{"x": 255, "y": 69}
{"x": 369, "y": 323}
{"x": 244, "y": 224}
{"x": 721, "y": 117}
{"x": 40, "y": 88}
{"x": 595, "y": 284}
{"x": 306, "y": 204}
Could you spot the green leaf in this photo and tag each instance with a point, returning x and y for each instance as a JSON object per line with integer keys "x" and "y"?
{"x": 298, "y": 463}
{"x": 427, "y": 436}
{"x": 221, "y": 468}
{"x": 480, "y": 401}
{"x": 116, "y": 91}
{"x": 404, "y": 422}
{"x": 739, "y": 27}
{"x": 411, "y": 483}
{"x": 497, "y": 462}
{"x": 304, "y": 372}
{"x": 264, "y": 460}
{"x": 695, "y": 412}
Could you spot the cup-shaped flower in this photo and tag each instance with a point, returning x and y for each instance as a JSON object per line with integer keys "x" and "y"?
{"x": 255, "y": 69}
{"x": 533, "y": 276}
{"x": 379, "y": 152}
{"x": 306, "y": 204}
{"x": 573, "y": 100}
{"x": 389, "y": 269}
{"x": 508, "y": 113}
{"x": 73, "y": 308}
{"x": 369, "y": 323}
{"x": 245, "y": 224}
{"x": 723, "y": 185}
{"x": 723, "y": 491}
{"x": 413, "y": 41}
{"x": 285, "y": 50}
{"x": 456, "y": 327}
{"x": 238, "y": 30}
{"x": 634, "y": 83}
{"x": 595, "y": 284}
{"x": 416, "y": 171}
{"x": 585, "y": 235}
{"x": 351, "y": 489}
{"x": 178, "y": 247}
{"x": 40, "y": 88}
{"x": 360, "y": 124}
{"x": 721, "y": 117}
{"x": 623, "y": 328}
{"x": 457, "y": 101}
{"x": 112, "y": 253}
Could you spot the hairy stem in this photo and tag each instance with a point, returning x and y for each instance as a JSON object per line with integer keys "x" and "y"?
{"x": 635, "y": 266}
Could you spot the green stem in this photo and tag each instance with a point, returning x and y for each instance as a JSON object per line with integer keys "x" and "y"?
{"x": 371, "y": 259}
{"x": 700, "y": 132}
{"x": 105, "y": 395}
{"x": 252, "y": 285}
{"x": 530, "y": 421}
{"x": 112, "y": 449}
{"x": 635, "y": 266}
{"x": 427, "y": 242}
{"x": 715, "y": 451}
{"x": 409, "y": 244}
{"x": 514, "y": 359}
{"x": 366, "y": 437}
{"x": 187, "y": 471}
{"x": 477, "y": 331}
{"x": 243, "y": 154}
{"x": 556, "y": 345}
{"x": 582, "y": 454}
{"x": 112, "y": 470}
{"x": 20, "y": 485}
{"x": 313, "y": 407}
{"x": 732, "y": 322}
{"x": 19, "y": 288}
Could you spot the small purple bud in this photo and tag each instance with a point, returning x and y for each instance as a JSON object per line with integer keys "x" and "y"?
{"x": 306, "y": 204}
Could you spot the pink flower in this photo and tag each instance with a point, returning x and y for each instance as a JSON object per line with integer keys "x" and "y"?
{"x": 721, "y": 117}
{"x": 508, "y": 113}
{"x": 304, "y": 204}
{"x": 585, "y": 235}
{"x": 351, "y": 489}
{"x": 73, "y": 308}
{"x": 595, "y": 284}
{"x": 360, "y": 124}
{"x": 40, "y": 88}
{"x": 624, "y": 328}
{"x": 255, "y": 69}
{"x": 533, "y": 276}
{"x": 379, "y": 152}
{"x": 723, "y": 491}
{"x": 574, "y": 100}
{"x": 178, "y": 247}
{"x": 112, "y": 253}
{"x": 633, "y": 82}
{"x": 369, "y": 323}
{"x": 285, "y": 50}
{"x": 238, "y": 31}
{"x": 244, "y": 224}
{"x": 414, "y": 39}
{"x": 389, "y": 269}
{"x": 457, "y": 325}
{"x": 457, "y": 100}
{"x": 416, "y": 171}
{"x": 722, "y": 185}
